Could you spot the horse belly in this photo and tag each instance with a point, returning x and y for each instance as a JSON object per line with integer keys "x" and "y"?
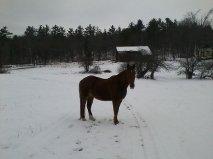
{"x": 101, "y": 93}
{"x": 103, "y": 98}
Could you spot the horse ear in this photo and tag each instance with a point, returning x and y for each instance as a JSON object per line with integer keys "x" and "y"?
{"x": 127, "y": 66}
{"x": 133, "y": 66}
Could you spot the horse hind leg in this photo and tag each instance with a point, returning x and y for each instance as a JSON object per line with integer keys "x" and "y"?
{"x": 82, "y": 108}
{"x": 116, "y": 105}
{"x": 89, "y": 105}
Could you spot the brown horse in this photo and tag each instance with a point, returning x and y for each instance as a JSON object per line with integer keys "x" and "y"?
{"x": 112, "y": 89}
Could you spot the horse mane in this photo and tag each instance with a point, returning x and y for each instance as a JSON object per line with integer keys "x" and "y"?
{"x": 121, "y": 79}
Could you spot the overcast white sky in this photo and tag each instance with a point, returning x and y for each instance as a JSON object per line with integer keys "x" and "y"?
{"x": 17, "y": 14}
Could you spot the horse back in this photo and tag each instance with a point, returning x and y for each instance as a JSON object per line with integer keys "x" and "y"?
{"x": 96, "y": 87}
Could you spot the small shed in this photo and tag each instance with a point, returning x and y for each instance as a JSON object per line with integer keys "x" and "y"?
{"x": 132, "y": 53}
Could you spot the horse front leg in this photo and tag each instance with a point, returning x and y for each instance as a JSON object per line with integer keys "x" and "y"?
{"x": 116, "y": 105}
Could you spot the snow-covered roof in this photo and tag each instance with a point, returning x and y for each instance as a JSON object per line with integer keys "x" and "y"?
{"x": 145, "y": 50}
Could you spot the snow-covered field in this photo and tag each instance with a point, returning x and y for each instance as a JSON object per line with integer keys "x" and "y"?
{"x": 167, "y": 118}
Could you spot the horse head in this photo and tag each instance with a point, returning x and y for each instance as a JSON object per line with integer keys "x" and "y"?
{"x": 131, "y": 75}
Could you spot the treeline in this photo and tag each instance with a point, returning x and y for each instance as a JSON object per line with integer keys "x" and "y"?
{"x": 49, "y": 44}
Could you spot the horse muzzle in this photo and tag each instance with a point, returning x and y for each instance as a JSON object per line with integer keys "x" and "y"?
{"x": 132, "y": 86}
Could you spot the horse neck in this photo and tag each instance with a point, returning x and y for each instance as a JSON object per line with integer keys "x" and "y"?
{"x": 122, "y": 79}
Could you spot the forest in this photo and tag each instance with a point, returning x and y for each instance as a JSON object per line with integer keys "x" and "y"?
{"x": 166, "y": 38}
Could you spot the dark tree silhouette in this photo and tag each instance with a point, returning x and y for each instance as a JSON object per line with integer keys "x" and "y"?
{"x": 166, "y": 38}
{"x": 4, "y": 47}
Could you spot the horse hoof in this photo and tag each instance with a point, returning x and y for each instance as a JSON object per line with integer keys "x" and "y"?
{"x": 116, "y": 122}
{"x": 91, "y": 118}
{"x": 83, "y": 119}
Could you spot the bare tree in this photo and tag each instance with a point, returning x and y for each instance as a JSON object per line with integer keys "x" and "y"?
{"x": 206, "y": 19}
{"x": 205, "y": 69}
{"x": 86, "y": 59}
{"x": 196, "y": 34}
{"x": 188, "y": 66}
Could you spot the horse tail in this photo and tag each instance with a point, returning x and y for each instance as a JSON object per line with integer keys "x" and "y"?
{"x": 82, "y": 101}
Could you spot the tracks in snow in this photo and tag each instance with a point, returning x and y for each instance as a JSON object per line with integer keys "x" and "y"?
{"x": 146, "y": 137}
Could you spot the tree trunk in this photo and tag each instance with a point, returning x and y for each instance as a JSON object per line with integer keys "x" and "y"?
{"x": 189, "y": 75}
{"x": 141, "y": 74}
{"x": 152, "y": 74}
{"x": 86, "y": 68}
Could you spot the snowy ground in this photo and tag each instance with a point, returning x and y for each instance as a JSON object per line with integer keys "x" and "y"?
{"x": 167, "y": 118}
